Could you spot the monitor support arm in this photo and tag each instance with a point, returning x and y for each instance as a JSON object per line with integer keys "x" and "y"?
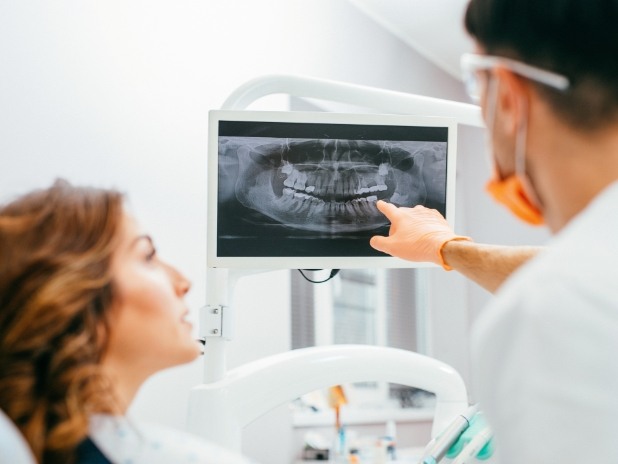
{"x": 383, "y": 100}
{"x": 217, "y": 317}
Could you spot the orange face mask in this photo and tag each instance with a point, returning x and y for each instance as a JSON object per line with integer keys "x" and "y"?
{"x": 510, "y": 192}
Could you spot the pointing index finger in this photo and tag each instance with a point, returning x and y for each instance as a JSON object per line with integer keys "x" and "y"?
{"x": 388, "y": 209}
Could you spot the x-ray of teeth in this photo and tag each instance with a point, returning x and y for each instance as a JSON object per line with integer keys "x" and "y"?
{"x": 329, "y": 186}
{"x": 306, "y": 188}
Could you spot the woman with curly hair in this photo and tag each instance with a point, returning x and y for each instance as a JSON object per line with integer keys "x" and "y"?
{"x": 88, "y": 311}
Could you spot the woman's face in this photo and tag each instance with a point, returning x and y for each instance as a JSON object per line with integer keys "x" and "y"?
{"x": 148, "y": 330}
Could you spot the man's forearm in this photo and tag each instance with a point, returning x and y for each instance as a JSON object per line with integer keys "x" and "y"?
{"x": 487, "y": 265}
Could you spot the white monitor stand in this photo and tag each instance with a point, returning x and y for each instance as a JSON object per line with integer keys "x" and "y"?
{"x": 227, "y": 401}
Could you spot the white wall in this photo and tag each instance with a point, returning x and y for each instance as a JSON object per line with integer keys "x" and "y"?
{"x": 116, "y": 93}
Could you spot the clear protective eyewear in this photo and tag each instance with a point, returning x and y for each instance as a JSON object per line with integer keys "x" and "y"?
{"x": 471, "y": 63}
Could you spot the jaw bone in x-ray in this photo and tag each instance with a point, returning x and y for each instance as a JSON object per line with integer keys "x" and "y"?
{"x": 332, "y": 185}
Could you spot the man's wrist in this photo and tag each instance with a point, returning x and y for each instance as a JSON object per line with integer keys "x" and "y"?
{"x": 446, "y": 250}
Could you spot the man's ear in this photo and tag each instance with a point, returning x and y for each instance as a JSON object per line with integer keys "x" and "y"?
{"x": 512, "y": 99}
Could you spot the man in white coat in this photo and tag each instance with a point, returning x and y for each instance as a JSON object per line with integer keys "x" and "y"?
{"x": 544, "y": 351}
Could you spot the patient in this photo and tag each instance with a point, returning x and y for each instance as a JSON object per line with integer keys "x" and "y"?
{"x": 88, "y": 311}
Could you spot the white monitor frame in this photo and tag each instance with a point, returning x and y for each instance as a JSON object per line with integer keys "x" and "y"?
{"x": 311, "y": 261}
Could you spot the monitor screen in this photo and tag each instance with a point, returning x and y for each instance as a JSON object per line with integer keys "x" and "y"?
{"x": 297, "y": 190}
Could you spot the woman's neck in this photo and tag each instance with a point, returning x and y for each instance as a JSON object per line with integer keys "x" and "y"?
{"x": 125, "y": 383}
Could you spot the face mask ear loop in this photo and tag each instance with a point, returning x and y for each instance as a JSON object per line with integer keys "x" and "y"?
{"x": 520, "y": 158}
{"x": 520, "y": 144}
{"x": 492, "y": 95}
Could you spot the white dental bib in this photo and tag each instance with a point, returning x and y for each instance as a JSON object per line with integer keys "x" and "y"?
{"x": 123, "y": 440}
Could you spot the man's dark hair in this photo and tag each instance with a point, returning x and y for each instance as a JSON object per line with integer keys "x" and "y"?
{"x": 575, "y": 38}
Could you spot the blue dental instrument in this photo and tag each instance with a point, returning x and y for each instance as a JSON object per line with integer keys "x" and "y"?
{"x": 437, "y": 448}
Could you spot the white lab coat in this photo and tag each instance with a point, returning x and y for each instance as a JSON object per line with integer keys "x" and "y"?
{"x": 545, "y": 352}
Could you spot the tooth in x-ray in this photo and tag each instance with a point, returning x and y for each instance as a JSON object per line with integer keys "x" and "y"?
{"x": 331, "y": 185}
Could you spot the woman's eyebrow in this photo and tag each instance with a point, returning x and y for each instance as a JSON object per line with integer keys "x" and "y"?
{"x": 142, "y": 237}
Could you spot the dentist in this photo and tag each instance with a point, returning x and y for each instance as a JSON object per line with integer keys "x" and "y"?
{"x": 544, "y": 351}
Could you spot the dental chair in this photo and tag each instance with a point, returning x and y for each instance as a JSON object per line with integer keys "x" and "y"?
{"x": 13, "y": 446}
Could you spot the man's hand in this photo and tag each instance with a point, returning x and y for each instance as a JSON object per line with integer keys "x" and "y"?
{"x": 416, "y": 234}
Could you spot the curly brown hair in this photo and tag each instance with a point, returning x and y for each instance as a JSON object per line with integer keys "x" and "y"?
{"x": 55, "y": 286}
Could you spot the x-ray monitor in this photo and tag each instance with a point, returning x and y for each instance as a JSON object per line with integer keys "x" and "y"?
{"x": 298, "y": 190}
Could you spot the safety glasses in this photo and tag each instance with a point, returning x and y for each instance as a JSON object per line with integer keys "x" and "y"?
{"x": 472, "y": 63}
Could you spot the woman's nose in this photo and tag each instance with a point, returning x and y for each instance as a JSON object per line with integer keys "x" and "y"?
{"x": 180, "y": 282}
{"x": 184, "y": 285}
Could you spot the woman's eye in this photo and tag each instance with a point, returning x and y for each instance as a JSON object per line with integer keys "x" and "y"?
{"x": 151, "y": 255}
